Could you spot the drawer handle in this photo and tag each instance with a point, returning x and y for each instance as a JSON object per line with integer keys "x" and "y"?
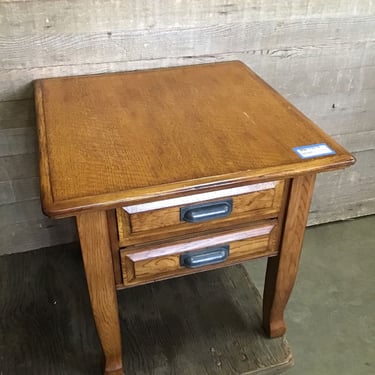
{"x": 206, "y": 211}
{"x": 205, "y": 257}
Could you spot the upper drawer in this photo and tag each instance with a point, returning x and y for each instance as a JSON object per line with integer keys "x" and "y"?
{"x": 198, "y": 212}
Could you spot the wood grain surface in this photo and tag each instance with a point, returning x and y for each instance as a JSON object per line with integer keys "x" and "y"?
{"x": 46, "y": 325}
{"x": 183, "y": 127}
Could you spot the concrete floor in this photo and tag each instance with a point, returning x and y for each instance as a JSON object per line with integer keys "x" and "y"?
{"x": 331, "y": 313}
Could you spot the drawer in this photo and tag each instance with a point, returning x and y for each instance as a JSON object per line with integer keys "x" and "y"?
{"x": 143, "y": 264}
{"x": 198, "y": 212}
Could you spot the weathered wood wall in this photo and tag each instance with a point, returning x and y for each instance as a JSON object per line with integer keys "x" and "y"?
{"x": 319, "y": 54}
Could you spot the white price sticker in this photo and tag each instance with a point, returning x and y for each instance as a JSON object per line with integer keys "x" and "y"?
{"x": 312, "y": 151}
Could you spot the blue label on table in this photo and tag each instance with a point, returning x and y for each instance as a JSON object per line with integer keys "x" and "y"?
{"x": 312, "y": 151}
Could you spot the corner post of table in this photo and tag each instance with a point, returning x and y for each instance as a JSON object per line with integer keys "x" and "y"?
{"x": 96, "y": 253}
{"x": 282, "y": 269}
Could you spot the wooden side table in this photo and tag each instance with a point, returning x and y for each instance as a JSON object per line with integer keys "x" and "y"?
{"x": 174, "y": 171}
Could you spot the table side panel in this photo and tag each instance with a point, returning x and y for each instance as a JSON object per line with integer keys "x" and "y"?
{"x": 114, "y": 239}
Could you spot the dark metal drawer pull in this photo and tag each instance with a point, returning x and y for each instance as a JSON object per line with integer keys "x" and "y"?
{"x": 205, "y": 257}
{"x": 206, "y": 211}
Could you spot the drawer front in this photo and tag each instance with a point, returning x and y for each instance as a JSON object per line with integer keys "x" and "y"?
{"x": 154, "y": 262}
{"x": 198, "y": 212}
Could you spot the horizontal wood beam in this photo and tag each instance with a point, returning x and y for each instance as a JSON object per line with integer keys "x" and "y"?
{"x": 30, "y": 51}
{"x": 27, "y": 17}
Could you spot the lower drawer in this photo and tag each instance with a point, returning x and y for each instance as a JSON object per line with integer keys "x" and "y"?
{"x": 170, "y": 259}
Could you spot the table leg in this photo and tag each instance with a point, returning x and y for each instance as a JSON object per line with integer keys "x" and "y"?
{"x": 282, "y": 269}
{"x": 97, "y": 259}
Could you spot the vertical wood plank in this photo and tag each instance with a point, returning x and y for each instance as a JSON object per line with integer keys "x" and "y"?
{"x": 282, "y": 270}
{"x": 97, "y": 259}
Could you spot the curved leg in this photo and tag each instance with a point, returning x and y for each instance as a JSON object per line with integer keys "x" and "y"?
{"x": 282, "y": 269}
{"x": 97, "y": 259}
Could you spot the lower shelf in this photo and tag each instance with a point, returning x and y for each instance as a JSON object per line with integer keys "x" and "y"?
{"x": 206, "y": 324}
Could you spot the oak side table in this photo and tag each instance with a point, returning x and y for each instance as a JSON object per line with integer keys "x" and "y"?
{"x": 180, "y": 170}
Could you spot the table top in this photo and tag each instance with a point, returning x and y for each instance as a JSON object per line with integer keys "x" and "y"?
{"x": 111, "y": 139}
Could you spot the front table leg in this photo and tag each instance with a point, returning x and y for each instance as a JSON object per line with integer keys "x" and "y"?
{"x": 282, "y": 269}
{"x": 96, "y": 254}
